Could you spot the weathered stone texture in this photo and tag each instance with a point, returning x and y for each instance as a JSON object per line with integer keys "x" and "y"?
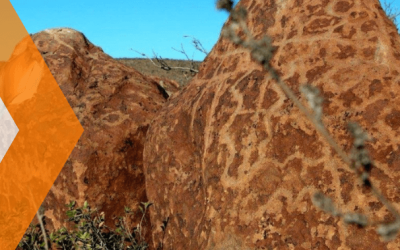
{"x": 114, "y": 104}
{"x": 234, "y": 164}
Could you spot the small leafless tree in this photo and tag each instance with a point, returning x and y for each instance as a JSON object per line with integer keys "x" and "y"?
{"x": 159, "y": 62}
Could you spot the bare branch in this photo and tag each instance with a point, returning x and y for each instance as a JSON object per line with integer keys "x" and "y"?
{"x": 197, "y": 44}
{"x": 187, "y": 57}
{"x": 143, "y": 54}
{"x": 183, "y": 52}
{"x": 390, "y": 12}
{"x": 162, "y": 64}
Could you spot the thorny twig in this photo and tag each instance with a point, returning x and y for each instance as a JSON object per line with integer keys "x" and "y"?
{"x": 162, "y": 64}
{"x": 197, "y": 44}
{"x": 262, "y": 51}
{"x": 187, "y": 57}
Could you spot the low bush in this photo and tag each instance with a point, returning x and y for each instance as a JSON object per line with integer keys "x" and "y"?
{"x": 90, "y": 232}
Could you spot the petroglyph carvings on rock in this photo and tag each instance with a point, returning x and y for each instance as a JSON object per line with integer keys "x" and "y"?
{"x": 254, "y": 160}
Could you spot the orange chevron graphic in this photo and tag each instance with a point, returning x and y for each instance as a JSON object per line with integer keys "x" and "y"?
{"x": 48, "y": 128}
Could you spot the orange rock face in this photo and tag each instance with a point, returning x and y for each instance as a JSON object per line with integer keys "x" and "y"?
{"x": 115, "y": 105}
{"x": 233, "y": 164}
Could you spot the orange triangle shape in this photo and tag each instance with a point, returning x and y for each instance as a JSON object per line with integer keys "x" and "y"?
{"x": 48, "y": 128}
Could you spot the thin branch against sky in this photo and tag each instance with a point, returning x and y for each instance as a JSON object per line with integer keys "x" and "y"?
{"x": 119, "y": 26}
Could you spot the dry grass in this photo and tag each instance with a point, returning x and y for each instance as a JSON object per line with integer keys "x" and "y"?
{"x": 145, "y": 66}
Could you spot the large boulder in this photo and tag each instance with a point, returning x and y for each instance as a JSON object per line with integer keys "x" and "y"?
{"x": 231, "y": 163}
{"x": 48, "y": 130}
{"x": 114, "y": 104}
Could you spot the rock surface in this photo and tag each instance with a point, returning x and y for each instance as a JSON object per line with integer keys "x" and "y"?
{"x": 233, "y": 164}
{"x": 48, "y": 130}
{"x": 114, "y": 104}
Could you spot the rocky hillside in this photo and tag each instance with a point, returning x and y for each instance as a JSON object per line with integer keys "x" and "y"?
{"x": 229, "y": 161}
{"x": 115, "y": 105}
{"x": 146, "y": 67}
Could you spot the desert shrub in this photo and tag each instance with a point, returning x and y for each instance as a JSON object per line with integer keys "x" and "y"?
{"x": 161, "y": 63}
{"x": 90, "y": 231}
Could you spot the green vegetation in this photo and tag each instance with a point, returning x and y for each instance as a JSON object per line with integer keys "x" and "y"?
{"x": 90, "y": 232}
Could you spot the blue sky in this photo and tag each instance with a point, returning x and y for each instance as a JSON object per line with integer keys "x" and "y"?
{"x": 143, "y": 25}
{"x": 119, "y": 25}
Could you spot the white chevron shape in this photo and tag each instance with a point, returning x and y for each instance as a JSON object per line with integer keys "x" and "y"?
{"x": 8, "y": 130}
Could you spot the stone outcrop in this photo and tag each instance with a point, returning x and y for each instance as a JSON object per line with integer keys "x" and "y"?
{"x": 233, "y": 164}
{"x": 48, "y": 130}
{"x": 114, "y": 104}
